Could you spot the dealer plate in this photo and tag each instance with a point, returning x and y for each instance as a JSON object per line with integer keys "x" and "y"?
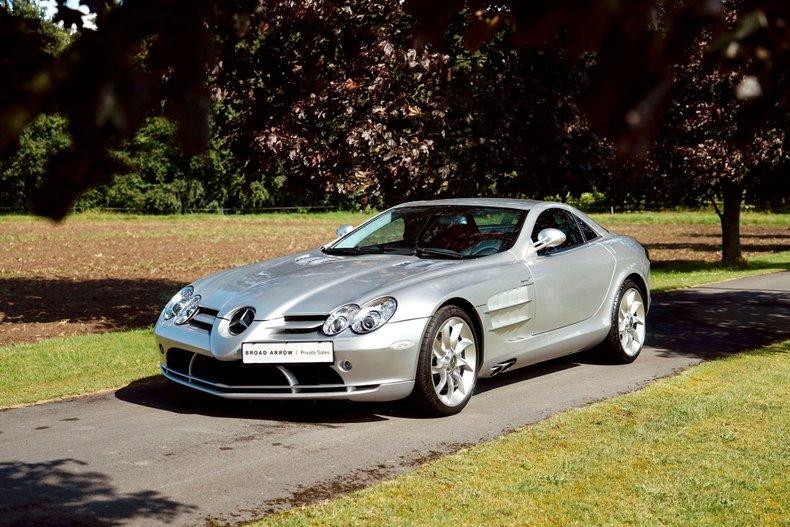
{"x": 287, "y": 352}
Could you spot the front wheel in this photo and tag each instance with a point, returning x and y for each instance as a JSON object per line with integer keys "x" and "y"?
{"x": 627, "y": 334}
{"x": 447, "y": 366}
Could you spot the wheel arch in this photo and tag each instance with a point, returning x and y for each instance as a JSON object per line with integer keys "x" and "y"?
{"x": 467, "y": 307}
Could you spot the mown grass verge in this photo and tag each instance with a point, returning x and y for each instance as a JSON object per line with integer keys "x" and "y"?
{"x": 692, "y": 217}
{"x": 675, "y": 275}
{"x": 706, "y": 447}
{"x": 65, "y": 366}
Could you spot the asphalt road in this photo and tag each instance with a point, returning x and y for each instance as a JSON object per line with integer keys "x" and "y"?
{"x": 154, "y": 454}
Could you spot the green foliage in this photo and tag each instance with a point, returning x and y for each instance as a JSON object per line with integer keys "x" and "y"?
{"x": 56, "y": 38}
{"x": 594, "y": 201}
{"x": 21, "y": 173}
{"x": 160, "y": 179}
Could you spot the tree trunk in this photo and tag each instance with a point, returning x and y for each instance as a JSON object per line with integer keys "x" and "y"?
{"x": 730, "y": 217}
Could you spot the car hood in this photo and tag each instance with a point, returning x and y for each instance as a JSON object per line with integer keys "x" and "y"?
{"x": 309, "y": 283}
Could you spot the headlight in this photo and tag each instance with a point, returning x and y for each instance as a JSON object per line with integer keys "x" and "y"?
{"x": 339, "y": 319}
{"x": 188, "y": 311}
{"x": 178, "y": 302}
{"x": 363, "y": 319}
{"x": 374, "y": 314}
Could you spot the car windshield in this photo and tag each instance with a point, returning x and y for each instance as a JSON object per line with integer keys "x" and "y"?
{"x": 436, "y": 232}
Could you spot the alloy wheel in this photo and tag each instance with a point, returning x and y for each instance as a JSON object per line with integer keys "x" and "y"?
{"x": 454, "y": 361}
{"x": 631, "y": 322}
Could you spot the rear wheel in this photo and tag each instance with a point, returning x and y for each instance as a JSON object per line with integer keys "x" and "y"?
{"x": 627, "y": 334}
{"x": 447, "y": 366}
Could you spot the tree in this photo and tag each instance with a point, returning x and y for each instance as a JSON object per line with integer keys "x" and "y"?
{"x": 24, "y": 170}
{"x": 704, "y": 153}
{"x": 106, "y": 92}
{"x": 332, "y": 95}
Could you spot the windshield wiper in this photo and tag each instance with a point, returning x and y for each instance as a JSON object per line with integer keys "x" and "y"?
{"x": 438, "y": 253}
{"x": 351, "y": 251}
{"x": 344, "y": 251}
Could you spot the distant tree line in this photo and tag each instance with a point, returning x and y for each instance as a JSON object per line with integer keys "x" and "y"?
{"x": 331, "y": 103}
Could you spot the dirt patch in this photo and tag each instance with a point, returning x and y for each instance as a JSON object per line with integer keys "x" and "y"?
{"x": 90, "y": 275}
{"x": 87, "y": 276}
{"x": 682, "y": 242}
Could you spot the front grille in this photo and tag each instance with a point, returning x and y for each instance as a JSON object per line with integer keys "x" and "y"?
{"x": 204, "y": 318}
{"x": 301, "y": 324}
{"x": 235, "y": 376}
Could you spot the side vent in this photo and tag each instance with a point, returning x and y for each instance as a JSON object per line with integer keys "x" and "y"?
{"x": 509, "y": 312}
{"x": 496, "y": 369}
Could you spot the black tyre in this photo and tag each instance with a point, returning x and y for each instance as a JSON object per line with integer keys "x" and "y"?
{"x": 448, "y": 362}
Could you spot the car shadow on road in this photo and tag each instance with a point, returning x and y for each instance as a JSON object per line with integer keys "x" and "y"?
{"x": 157, "y": 393}
{"x": 704, "y": 322}
{"x": 64, "y": 490}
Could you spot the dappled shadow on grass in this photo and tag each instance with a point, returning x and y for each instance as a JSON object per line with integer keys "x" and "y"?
{"x": 690, "y": 266}
{"x": 66, "y": 492}
{"x": 106, "y": 304}
{"x": 716, "y": 247}
{"x": 779, "y": 234}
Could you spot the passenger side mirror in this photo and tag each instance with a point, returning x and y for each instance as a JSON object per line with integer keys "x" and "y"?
{"x": 343, "y": 230}
{"x": 549, "y": 238}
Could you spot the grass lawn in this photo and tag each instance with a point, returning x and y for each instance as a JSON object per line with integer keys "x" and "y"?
{"x": 691, "y": 217}
{"x": 710, "y": 446}
{"x": 75, "y": 365}
{"x": 688, "y": 274}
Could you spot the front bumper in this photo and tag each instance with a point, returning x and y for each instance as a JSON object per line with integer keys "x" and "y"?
{"x": 383, "y": 363}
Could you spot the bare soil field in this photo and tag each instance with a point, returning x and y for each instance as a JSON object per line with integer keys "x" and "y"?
{"x": 96, "y": 274}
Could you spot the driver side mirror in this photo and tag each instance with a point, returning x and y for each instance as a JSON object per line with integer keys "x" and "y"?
{"x": 549, "y": 238}
{"x": 343, "y": 230}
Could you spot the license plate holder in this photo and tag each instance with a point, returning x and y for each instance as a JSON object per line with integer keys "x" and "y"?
{"x": 319, "y": 352}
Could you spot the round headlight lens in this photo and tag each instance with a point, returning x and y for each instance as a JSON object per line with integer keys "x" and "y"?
{"x": 188, "y": 311}
{"x": 374, "y": 314}
{"x": 339, "y": 319}
{"x": 178, "y": 302}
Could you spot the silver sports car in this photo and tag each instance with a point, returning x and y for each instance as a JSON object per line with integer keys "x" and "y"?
{"x": 419, "y": 301}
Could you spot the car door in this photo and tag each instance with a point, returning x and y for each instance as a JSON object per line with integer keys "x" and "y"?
{"x": 571, "y": 281}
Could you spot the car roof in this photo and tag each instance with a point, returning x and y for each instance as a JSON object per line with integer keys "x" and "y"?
{"x": 511, "y": 203}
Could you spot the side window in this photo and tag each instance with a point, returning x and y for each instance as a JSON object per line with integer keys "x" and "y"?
{"x": 562, "y": 220}
{"x": 589, "y": 233}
